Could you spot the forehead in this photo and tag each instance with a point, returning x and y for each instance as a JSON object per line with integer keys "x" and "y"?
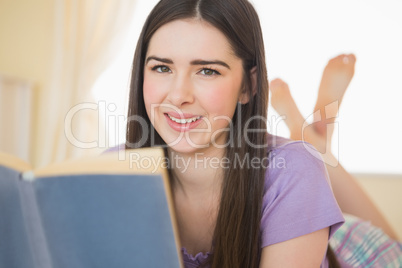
{"x": 194, "y": 38}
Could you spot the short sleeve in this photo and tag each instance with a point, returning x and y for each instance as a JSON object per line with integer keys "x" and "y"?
{"x": 298, "y": 198}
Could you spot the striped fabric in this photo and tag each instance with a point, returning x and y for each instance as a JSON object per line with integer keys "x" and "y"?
{"x": 359, "y": 244}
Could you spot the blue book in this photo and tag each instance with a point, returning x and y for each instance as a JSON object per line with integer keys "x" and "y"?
{"x": 115, "y": 210}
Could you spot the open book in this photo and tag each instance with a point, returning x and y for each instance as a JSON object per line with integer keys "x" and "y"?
{"x": 109, "y": 211}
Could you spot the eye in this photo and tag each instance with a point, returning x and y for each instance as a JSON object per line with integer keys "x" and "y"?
{"x": 161, "y": 69}
{"x": 209, "y": 72}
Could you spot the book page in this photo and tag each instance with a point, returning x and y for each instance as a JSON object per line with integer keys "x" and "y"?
{"x": 138, "y": 161}
{"x": 14, "y": 162}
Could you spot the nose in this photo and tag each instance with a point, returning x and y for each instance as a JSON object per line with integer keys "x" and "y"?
{"x": 181, "y": 91}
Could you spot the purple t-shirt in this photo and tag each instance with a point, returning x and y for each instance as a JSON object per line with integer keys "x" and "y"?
{"x": 297, "y": 200}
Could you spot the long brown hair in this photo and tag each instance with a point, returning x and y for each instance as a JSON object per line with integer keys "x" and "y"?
{"x": 236, "y": 240}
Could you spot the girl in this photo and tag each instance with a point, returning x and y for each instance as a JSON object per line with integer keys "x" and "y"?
{"x": 199, "y": 88}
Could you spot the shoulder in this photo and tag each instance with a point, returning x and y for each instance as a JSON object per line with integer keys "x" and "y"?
{"x": 291, "y": 148}
{"x": 298, "y": 198}
{"x": 288, "y": 159}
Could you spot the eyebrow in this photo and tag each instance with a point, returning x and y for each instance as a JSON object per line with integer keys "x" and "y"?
{"x": 194, "y": 62}
{"x": 208, "y": 62}
{"x": 164, "y": 60}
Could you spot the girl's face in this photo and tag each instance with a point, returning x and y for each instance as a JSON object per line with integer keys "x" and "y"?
{"x": 192, "y": 83}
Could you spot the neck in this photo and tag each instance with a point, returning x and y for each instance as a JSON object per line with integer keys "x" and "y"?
{"x": 197, "y": 174}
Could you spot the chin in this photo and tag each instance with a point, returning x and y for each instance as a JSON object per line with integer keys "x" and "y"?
{"x": 190, "y": 143}
{"x": 183, "y": 146}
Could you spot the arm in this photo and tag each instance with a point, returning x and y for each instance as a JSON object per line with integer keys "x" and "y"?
{"x": 352, "y": 199}
{"x": 303, "y": 251}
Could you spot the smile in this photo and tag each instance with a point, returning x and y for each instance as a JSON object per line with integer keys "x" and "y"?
{"x": 184, "y": 121}
{"x": 180, "y": 124}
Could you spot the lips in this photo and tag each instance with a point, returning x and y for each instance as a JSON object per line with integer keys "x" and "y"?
{"x": 182, "y": 122}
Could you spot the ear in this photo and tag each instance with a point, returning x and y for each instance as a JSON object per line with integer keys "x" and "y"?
{"x": 244, "y": 96}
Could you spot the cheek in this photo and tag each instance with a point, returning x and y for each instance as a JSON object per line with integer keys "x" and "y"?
{"x": 222, "y": 99}
{"x": 151, "y": 96}
{"x": 152, "y": 92}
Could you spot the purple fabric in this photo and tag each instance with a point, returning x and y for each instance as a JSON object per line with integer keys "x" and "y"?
{"x": 120, "y": 147}
{"x": 191, "y": 261}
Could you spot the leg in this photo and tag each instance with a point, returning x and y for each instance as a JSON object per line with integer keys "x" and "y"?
{"x": 350, "y": 196}
{"x": 284, "y": 104}
{"x": 335, "y": 79}
{"x": 357, "y": 243}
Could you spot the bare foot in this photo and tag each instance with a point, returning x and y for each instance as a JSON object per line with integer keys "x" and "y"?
{"x": 284, "y": 104}
{"x": 335, "y": 79}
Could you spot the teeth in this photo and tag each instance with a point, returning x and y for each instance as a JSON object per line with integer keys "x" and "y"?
{"x": 184, "y": 121}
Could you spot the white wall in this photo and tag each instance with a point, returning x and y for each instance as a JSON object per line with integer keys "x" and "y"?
{"x": 26, "y": 34}
{"x": 300, "y": 38}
